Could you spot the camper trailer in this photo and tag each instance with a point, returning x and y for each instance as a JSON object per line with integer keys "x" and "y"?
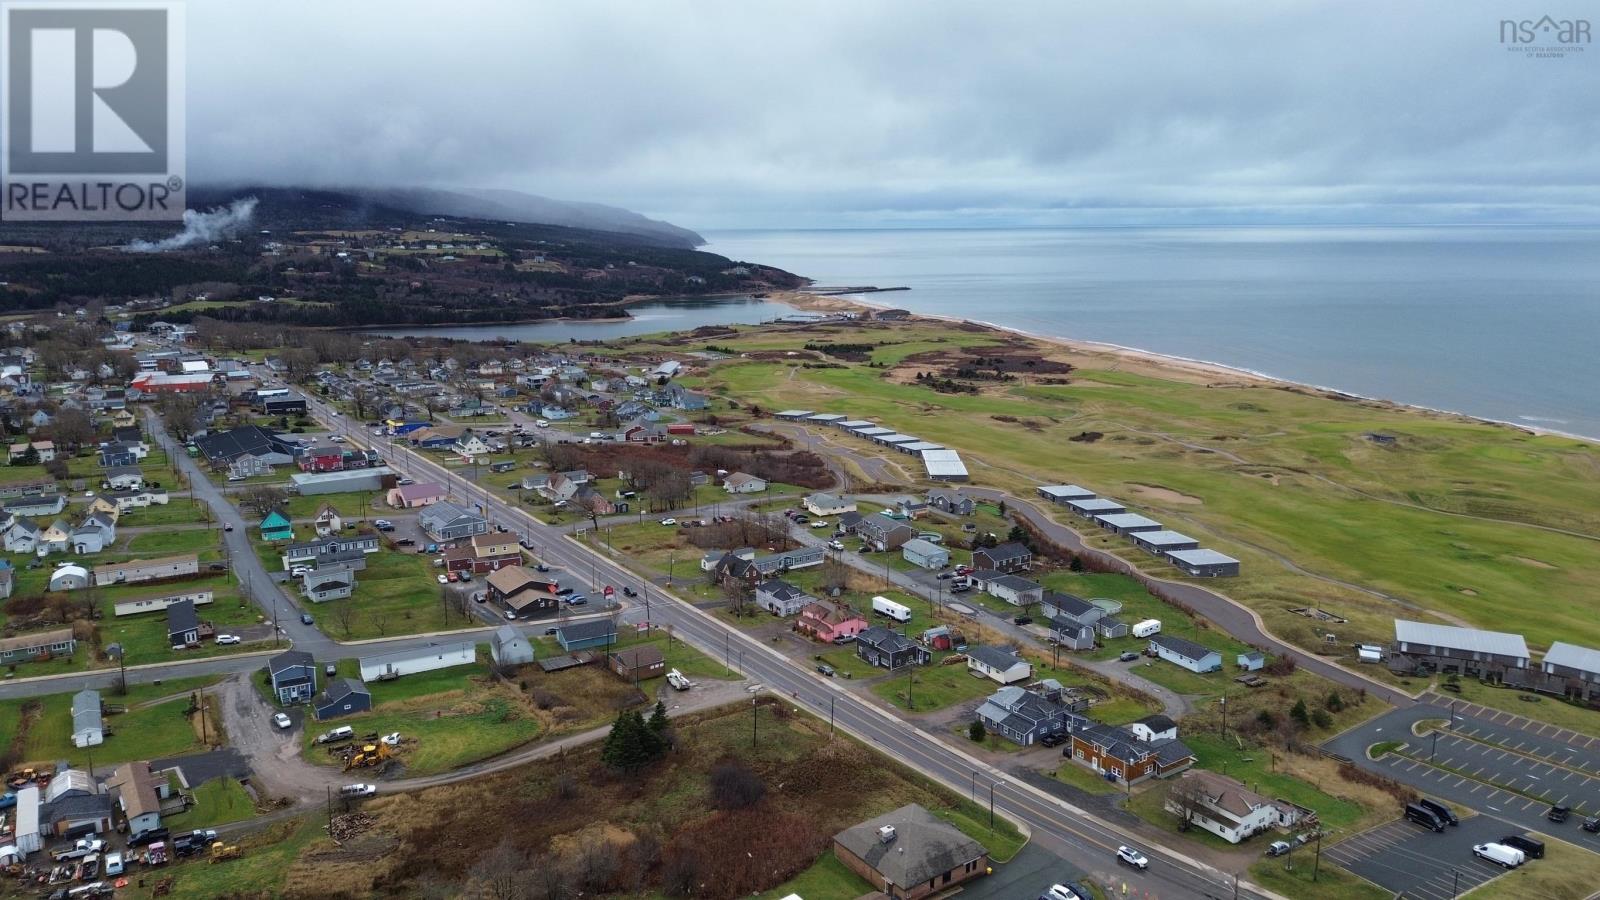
{"x": 1147, "y": 628}
{"x": 883, "y": 606}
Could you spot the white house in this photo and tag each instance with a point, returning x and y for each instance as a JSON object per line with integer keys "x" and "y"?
{"x": 1152, "y": 728}
{"x": 1226, "y": 808}
{"x": 741, "y": 483}
{"x": 827, "y": 504}
{"x": 998, "y": 664}
{"x": 88, "y": 729}
{"x": 471, "y": 446}
{"x": 423, "y": 659}
{"x": 1186, "y": 654}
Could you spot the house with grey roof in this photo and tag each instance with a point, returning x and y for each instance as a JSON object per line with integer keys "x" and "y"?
{"x": 87, "y": 725}
{"x": 1011, "y": 556}
{"x": 889, "y": 649}
{"x": 883, "y": 533}
{"x": 998, "y": 664}
{"x": 1013, "y": 589}
{"x": 1571, "y": 671}
{"x": 1186, "y": 654}
{"x": 1024, "y": 715}
{"x": 781, "y": 598}
{"x": 1424, "y": 648}
{"x": 910, "y": 853}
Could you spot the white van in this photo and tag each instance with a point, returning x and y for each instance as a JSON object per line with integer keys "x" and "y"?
{"x": 1500, "y": 855}
{"x": 883, "y": 606}
{"x": 1147, "y": 628}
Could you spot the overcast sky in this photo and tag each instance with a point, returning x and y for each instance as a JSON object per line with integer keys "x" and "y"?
{"x": 772, "y": 114}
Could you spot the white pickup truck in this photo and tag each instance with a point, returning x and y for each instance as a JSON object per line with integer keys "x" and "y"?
{"x": 678, "y": 681}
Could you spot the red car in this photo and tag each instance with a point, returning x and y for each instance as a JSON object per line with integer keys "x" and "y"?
{"x": 453, "y": 576}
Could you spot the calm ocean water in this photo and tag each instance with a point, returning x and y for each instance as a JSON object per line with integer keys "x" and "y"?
{"x": 671, "y": 315}
{"x": 1498, "y": 322}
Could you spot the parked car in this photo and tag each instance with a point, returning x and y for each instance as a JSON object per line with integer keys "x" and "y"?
{"x": 1592, "y": 824}
{"x": 825, "y": 669}
{"x": 443, "y": 579}
{"x": 383, "y": 525}
{"x": 1500, "y": 855}
{"x": 1532, "y": 847}
{"x": 358, "y": 790}
{"x": 149, "y": 836}
{"x": 114, "y": 865}
{"x": 305, "y": 618}
{"x": 1131, "y": 857}
{"x": 837, "y": 546}
{"x": 669, "y": 521}
{"x": 1278, "y": 848}
{"x": 227, "y": 639}
{"x": 1051, "y": 740}
{"x": 228, "y": 527}
{"x": 1559, "y": 814}
{"x": 330, "y": 669}
{"x": 405, "y": 542}
{"x": 1022, "y": 620}
{"x": 1127, "y": 656}
{"x": 282, "y": 720}
{"x": 1060, "y": 892}
{"x": 819, "y": 524}
{"x": 1440, "y": 810}
{"x": 577, "y": 600}
{"x": 844, "y": 639}
{"x": 541, "y": 567}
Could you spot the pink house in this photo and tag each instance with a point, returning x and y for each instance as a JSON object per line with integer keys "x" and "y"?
{"x": 414, "y": 495}
{"x": 825, "y": 621}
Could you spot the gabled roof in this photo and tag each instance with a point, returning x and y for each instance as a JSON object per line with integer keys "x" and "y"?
{"x": 781, "y": 590}
{"x": 1184, "y": 648}
{"x": 510, "y": 579}
{"x": 181, "y": 617}
{"x": 1014, "y": 582}
{"x": 1157, "y": 723}
{"x": 1007, "y": 550}
{"x": 340, "y": 688}
{"x": 1572, "y": 656}
{"x": 289, "y": 659}
{"x": 996, "y": 658}
{"x": 885, "y": 640}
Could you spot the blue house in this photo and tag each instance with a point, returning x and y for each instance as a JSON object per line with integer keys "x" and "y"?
{"x": 114, "y": 454}
{"x": 277, "y": 527}
{"x": 294, "y": 676}
{"x": 344, "y": 697}
{"x": 587, "y": 635}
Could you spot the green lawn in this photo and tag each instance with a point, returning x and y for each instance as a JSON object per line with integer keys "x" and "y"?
{"x": 143, "y": 732}
{"x": 217, "y": 802}
{"x": 172, "y": 541}
{"x": 395, "y": 594}
{"x": 144, "y": 635}
{"x": 1084, "y": 780}
{"x": 1548, "y": 709}
{"x": 935, "y": 686}
{"x": 352, "y": 506}
{"x": 266, "y": 860}
{"x": 176, "y": 511}
{"x": 1332, "y": 882}
{"x": 827, "y": 879}
{"x": 1567, "y": 870}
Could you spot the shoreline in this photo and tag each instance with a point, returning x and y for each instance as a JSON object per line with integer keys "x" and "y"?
{"x": 599, "y": 320}
{"x": 1209, "y": 368}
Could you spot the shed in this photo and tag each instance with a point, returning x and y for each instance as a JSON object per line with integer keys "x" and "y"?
{"x": 26, "y": 834}
{"x": 1252, "y": 660}
{"x": 638, "y": 663}
{"x": 509, "y": 648}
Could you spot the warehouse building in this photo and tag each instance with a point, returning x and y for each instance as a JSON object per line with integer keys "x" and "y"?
{"x": 1061, "y": 493}
{"x": 944, "y": 465}
{"x": 1127, "y": 523}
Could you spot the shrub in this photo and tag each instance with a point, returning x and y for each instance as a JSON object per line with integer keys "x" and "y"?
{"x": 735, "y": 786}
{"x": 976, "y": 731}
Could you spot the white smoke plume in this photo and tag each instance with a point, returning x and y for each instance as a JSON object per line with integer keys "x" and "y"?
{"x": 207, "y": 227}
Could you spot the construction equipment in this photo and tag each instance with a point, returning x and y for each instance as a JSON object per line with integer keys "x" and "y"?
{"x": 221, "y": 851}
{"x": 367, "y": 755}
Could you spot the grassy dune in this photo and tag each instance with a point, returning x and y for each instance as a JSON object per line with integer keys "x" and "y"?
{"x": 1457, "y": 521}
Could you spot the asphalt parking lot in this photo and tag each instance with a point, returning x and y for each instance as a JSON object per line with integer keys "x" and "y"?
{"x": 1508, "y": 769}
{"x": 1416, "y": 863}
{"x": 1028, "y": 874}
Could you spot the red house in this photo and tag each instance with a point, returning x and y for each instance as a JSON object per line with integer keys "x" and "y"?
{"x": 827, "y": 621}
{"x": 681, "y": 428}
{"x": 326, "y": 458}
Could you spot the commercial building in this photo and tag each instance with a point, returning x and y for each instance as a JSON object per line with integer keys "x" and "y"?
{"x": 1126, "y": 523}
{"x": 1090, "y": 507}
{"x": 910, "y": 853}
{"x": 1160, "y": 542}
{"x": 313, "y": 483}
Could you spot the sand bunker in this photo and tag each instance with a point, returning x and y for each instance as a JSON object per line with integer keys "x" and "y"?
{"x": 1165, "y": 495}
{"x": 1530, "y": 561}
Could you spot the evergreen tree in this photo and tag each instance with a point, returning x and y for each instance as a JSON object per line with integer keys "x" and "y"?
{"x": 976, "y": 731}
{"x": 658, "y": 719}
{"x": 1300, "y": 714}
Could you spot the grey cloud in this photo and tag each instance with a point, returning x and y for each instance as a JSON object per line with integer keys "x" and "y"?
{"x": 729, "y": 113}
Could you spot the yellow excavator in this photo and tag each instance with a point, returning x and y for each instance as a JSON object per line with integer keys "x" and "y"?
{"x": 221, "y": 851}
{"x": 367, "y": 755}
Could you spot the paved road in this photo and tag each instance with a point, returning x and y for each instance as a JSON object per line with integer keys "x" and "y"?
{"x": 1061, "y": 828}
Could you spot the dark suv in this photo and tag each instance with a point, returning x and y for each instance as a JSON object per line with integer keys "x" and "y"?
{"x": 1440, "y": 810}
{"x": 1533, "y": 848}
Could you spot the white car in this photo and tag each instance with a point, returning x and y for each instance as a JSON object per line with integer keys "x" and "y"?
{"x": 114, "y": 865}
{"x": 358, "y": 790}
{"x": 669, "y": 521}
{"x": 542, "y": 423}
{"x": 442, "y": 579}
{"x": 1061, "y": 892}
{"x": 836, "y": 545}
{"x": 227, "y": 639}
{"x": 392, "y": 739}
{"x": 297, "y": 571}
{"x": 1132, "y": 857}
{"x": 282, "y": 721}
{"x": 819, "y": 524}
{"x": 337, "y": 438}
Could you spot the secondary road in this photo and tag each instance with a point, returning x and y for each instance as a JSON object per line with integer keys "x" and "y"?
{"x": 1063, "y": 829}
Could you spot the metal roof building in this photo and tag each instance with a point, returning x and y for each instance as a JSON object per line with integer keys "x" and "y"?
{"x": 944, "y": 465}
{"x": 1127, "y": 523}
{"x": 793, "y": 414}
{"x": 1571, "y": 656}
{"x": 1413, "y": 636}
{"x": 825, "y": 418}
{"x": 1061, "y": 493}
{"x": 1204, "y": 563}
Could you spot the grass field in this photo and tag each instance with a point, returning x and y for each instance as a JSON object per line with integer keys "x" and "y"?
{"x": 143, "y": 732}
{"x": 1448, "y": 516}
{"x": 172, "y": 541}
{"x": 1332, "y": 882}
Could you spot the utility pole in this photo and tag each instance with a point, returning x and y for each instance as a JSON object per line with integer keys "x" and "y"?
{"x": 974, "y": 785}
{"x": 991, "y": 802}
{"x": 830, "y": 715}
{"x": 753, "y": 708}
{"x": 1316, "y": 861}
{"x": 1434, "y": 746}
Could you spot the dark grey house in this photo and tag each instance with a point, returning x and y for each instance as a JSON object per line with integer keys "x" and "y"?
{"x": 183, "y": 625}
{"x": 1011, "y": 556}
{"x": 1023, "y": 715}
{"x": 1424, "y": 648}
{"x": 953, "y": 502}
{"x": 889, "y": 649}
{"x": 344, "y": 696}
{"x": 884, "y": 533}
